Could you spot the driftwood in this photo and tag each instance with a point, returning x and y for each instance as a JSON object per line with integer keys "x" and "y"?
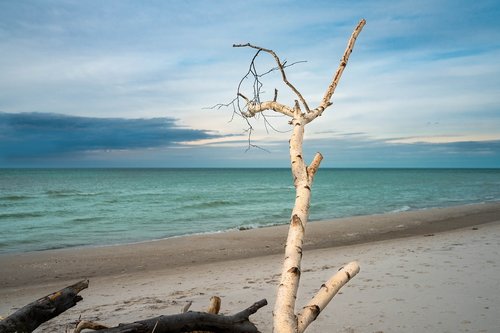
{"x": 29, "y": 317}
{"x": 193, "y": 321}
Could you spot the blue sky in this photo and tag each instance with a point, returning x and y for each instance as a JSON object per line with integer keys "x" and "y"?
{"x": 128, "y": 83}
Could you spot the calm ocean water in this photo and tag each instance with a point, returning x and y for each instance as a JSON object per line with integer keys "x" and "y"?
{"x": 57, "y": 208}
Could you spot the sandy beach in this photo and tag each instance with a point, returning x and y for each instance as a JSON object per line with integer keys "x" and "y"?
{"x": 431, "y": 270}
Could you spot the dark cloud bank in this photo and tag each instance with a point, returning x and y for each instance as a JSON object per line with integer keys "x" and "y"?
{"x": 54, "y": 140}
{"x": 35, "y": 135}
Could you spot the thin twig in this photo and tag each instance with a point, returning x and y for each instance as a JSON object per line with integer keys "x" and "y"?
{"x": 285, "y": 65}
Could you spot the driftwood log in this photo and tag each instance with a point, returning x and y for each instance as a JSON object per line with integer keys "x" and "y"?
{"x": 193, "y": 321}
{"x": 29, "y": 317}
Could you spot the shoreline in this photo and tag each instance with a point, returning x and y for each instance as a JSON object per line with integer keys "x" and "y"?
{"x": 50, "y": 266}
{"x": 432, "y": 270}
{"x": 238, "y": 229}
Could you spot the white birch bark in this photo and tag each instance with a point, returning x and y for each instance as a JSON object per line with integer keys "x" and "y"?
{"x": 284, "y": 308}
{"x": 311, "y": 311}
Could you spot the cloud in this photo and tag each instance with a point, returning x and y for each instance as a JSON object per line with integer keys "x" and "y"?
{"x": 365, "y": 151}
{"x": 38, "y": 135}
{"x": 54, "y": 140}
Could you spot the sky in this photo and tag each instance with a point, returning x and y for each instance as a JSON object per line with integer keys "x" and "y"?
{"x": 131, "y": 83}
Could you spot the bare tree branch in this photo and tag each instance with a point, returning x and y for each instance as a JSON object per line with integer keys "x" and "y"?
{"x": 251, "y": 145}
{"x": 285, "y": 65}
{"x": 254, "y": 108}
{"x": 256, "y": 84}
{"x": 314, "y": 166}
{"x": 325, "y": 294}
{"x": 281, "y": 68}
{"x": 338, "y": 74}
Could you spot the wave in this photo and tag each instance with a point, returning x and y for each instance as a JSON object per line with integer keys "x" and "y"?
{"x": 401, "y": 209}
{"x": 269, "y": 188}
{"x": 86, "y": 219}
{"x": 69, "y": 193}
{"x": 210, "y": 204}
{"x": 20, "y": 215}
{"x": 14, "y": 197}
{"x": 257, "y": 226}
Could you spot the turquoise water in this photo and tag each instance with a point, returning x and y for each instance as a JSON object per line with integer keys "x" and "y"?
{"x": 58, "y": 208}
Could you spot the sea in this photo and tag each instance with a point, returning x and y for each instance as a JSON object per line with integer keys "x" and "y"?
{"x": 42, "y": 209}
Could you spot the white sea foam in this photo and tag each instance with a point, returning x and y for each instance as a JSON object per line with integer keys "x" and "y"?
{"x": 401, "y": 209}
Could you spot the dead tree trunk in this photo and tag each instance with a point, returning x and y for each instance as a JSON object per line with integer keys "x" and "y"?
{"x": 29, "y": 317}
{"x": 285, "y": 319}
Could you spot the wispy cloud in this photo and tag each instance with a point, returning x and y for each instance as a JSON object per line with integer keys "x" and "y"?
{"x": 365, "y": 151}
